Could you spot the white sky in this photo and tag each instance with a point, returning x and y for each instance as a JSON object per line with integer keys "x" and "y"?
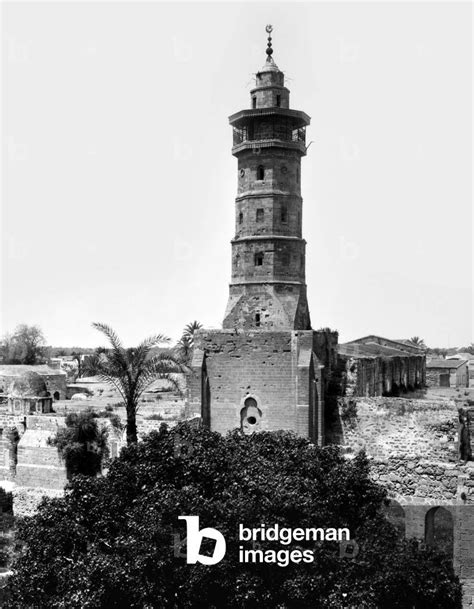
{"x": 118, "y": 181}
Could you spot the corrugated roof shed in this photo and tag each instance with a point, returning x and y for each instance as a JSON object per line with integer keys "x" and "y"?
{"x": 370, "y": 350}
{"x": 445, "y": 363}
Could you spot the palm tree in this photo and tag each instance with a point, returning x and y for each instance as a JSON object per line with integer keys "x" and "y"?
{"x": 185, "y": 345}
{"x": 417, "y": 341}
{"x": 132, "y": 370}
{"x": 191, "y": 328}
{"x": 92, "y": 364}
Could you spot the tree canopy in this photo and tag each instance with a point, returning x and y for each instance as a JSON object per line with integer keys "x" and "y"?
{"x": 26, "y": 345}
{"x": 113, "y": 541}
{"x": 185, "y": 346}
{"x": 82, "y": 443}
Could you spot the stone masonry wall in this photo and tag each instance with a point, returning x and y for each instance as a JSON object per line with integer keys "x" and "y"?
{"x": 39, "y": 464}
{"x": 258, "y": 364}
{"x": 275, "y": 368}
{"x": 386, "y": 427}
{"x": 412, "y": 445}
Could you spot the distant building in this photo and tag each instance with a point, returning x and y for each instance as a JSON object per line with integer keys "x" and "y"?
{"x": 55, "y": 379}
{"x": 373, "y": 366}
{"x": 469, "y": 357}
{"x": 447, "y": 373}
{"x": 28, "y": 395}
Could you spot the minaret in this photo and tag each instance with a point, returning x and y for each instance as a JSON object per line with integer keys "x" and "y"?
{"x": 268, "y": 285}
{"x": 266, "y": 369}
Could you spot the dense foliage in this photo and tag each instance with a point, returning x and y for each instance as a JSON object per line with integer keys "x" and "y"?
{"x": 111, "y": 541}
{"x": 82, "y": 443}
{"x": 26, "y": 345}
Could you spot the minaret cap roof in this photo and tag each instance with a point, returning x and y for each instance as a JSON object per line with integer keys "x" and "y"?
{"x": 270, "y": 65}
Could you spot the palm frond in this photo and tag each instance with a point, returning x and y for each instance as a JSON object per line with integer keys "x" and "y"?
{"x": 191, "y": 328}
{"x": 115, "y": 381}
{"x": 159, "y": 367}
{"x": 110, "y": 334}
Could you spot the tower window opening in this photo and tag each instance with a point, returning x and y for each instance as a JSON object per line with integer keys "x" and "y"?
{"x": 284, "y": 215}
{"x": 259, "y": 217}
{"x": 254, "y": 102}
{"x": 260, "y": 172}
{"x": 259, "y": 259}
{"x": 278, "y": 100}
{"x": 241, "y": 218}
{"x": 257, "y": 319}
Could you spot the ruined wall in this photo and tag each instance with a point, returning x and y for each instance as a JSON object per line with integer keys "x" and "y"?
{"x": 374, "y": 376}
{"x": 385, "y": 427}
{"x": 276, "y": 369}
{"x": 412, "y": 446}
{"x": 423, "y": 486}
{"x": 11, "y": 428}
{"x": 39, "y": 464}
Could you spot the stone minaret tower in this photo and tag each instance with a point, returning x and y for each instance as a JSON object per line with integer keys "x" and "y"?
{"x": 268, "y": 286}
{"x": 266, "y": 369}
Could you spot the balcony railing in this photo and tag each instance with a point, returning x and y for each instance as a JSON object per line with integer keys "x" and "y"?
{"x": 268, "y": 131}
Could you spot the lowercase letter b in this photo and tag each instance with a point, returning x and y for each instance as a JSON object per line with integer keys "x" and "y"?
{"x": 195, "y": 536}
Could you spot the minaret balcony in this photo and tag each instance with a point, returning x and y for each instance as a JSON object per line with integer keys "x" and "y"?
{"x": 257, "y": 145}
{"x": 269, "y": 127}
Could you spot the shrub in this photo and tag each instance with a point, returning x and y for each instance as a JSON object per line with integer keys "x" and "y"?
{"x": 109, "y": 541}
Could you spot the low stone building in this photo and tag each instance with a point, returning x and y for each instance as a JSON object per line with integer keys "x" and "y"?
{"x": 373, "y": 365}
{"x": 28, "y": 395}
{"x": 447, "y": 373}
{"x": 55, "y": 379}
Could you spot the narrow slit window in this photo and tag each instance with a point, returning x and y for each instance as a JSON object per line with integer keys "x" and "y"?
{"x": 257, "y": 319}
{"x": 259, "y": 259}
{"x": 260, "y": 172}
{"x": 241, "y": 218}
{"x": 259, "y": 215}
{"x": 254, "y": 102}
{"x": 278, "y": 100}
{"x": 284, "y": 215}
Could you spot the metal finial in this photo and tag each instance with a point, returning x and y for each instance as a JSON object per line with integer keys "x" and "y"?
{"x": 269, "y": 51}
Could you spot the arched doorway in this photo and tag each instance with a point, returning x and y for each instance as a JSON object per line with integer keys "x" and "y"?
{"x": 56, "y": 395}
{"x": 439, "y": 529}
